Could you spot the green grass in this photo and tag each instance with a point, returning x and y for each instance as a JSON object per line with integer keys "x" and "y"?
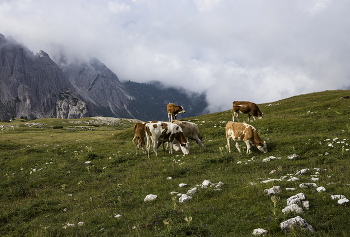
{"x": 56, "y": 173}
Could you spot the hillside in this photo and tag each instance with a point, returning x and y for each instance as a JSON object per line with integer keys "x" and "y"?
{"x": 81, "y": 177}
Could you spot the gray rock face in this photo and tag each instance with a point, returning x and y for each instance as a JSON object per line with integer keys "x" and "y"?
{"x": 29, "y": 84}
{"x": 70, "y": 106}
{"x": 96, "y": 83}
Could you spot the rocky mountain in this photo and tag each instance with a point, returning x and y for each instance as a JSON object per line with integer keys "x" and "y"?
{"x": 99, "y": 85}
{"x": 34, "y": 86}
{"x": 29, "y": 84}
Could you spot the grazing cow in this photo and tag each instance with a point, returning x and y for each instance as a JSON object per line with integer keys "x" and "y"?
{"x": 191, "y": 131}
{"x": 140, "y": 132}
{"x": 242, "y": 132}
{"x": 246, "y": 107}
{"x": 173, "y": 110}
{"x": 165, "y": 131}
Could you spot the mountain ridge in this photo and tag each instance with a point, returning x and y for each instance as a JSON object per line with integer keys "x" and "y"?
{"x": 35, "y": 86}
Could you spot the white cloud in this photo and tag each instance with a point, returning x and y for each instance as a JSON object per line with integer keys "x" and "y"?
{"x": 117, "y": 7}
{"x": 206, "y": 5}
{"x": 320, "y": 6}
{"x": 233, "y": 50}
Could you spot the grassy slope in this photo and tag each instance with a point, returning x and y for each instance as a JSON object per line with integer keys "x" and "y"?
{"x": 45, "y": 184}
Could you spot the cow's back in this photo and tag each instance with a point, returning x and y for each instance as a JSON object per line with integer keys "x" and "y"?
{"x": 170, "y": 107}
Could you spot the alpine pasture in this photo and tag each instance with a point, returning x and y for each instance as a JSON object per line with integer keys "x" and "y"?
{"x": 82, "y": 177}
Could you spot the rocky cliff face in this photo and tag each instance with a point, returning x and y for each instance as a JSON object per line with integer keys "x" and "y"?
{"x": 99, "y": 85}
{"x": 29, "y": 84}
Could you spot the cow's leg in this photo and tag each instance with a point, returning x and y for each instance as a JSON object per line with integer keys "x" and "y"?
{"x": 137, "y": 147}
{"x": 142, "y": 140}
{"x": 171, "y": 148}
{"x": 248, "y": 146}
{"x": 235, "y": 114}
{"x": 237, "y": 146}
{"x": 155, "y": 146}
{"x": 199, "y": 141}
{"x": 228, "y": 144}
{"x": 169, "y": 117}
{"x": 148, "y": 144}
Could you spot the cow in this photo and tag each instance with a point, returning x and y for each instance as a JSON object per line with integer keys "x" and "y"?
{"x": 140, "y": 132}
{"x": 191, "y": 132}
{"x": 173, "y": 110}
{"x": 165, "y": 132}
{"x": 246, "y": 107}
{"x": 242, "y": 132}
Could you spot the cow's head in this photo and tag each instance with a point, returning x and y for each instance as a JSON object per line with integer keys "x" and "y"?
{"x": 261, "y": 116}
{"x": 262, "y": 147}
{"x": 185, "y": 148}
{"x": 182, "y": 110}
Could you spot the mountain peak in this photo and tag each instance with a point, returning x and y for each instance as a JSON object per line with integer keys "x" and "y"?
{"x": 42, "y": 54}
{"x": 2, "y": 38}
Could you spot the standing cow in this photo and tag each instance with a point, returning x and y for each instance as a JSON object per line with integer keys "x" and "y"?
{"x": 173, "y": 110}
{"x": 246, "y": 107}
{"x": 140, "y": 133}
{"x": 242, "y": 132}
{"x": 191, "y": 131}
{"x": 165, "y": 132}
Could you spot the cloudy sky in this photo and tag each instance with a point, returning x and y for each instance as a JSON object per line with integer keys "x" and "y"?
{"x": 255, "y": 50}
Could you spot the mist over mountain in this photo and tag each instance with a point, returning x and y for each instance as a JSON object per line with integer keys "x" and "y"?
{"x": 35, "y": 86}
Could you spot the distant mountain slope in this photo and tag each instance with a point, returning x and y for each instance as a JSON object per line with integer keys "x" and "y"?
{"x": 98, "y": 84}
{"x": 150, "y": 101}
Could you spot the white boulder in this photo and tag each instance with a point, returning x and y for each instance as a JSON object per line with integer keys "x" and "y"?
{"x": 206, "y": 183}
{"x": 191, "y": 192}
{"x": 184, "y": 198}
{"x": 150, "y": 197}
{"x": 308, "y": 185}
{"x": 259, "y": 232}
{"x": 293, "y": 208}
{"x": 321, "y": 189}
{"x": 343, "y": 200}
{"x": 290, "y": 224}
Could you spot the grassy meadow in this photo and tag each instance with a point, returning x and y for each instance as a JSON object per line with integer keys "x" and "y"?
{"x": 82, "y": 178}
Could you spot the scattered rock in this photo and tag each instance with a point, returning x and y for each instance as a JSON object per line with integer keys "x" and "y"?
{"x": 303, "y": 171}
{"x": 343, "y": 200}
{"x": 259, "y": 232}
{"x": 290, "y": 224}
{"x": 296, "y": 199}
{"x": 321, "y": 189}
{"x": 191, "y": 191}
{"x": 308, "y": 185}
{"x": 335, "y": 197}
{"x": 184, "y": 198}
{"x": 294, "y": 156}
{"x": 206, "y": 183}
{"x": 293, "y": 208}
{"x": 150, "y": 197}
{"x": 272, "y": 191}
{"x": 306, "y": 205}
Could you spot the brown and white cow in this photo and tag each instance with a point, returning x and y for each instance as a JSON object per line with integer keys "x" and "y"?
{"x": 140, "y": 133}
{"x": 165, "y": 132}
{"x": 246, "y": 107}
{"x": 242, "y": 132}
{"x": 173, "y": 110}
{"x": 191, "y": 132}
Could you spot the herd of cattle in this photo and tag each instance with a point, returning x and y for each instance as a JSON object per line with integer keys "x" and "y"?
{"x": 175, "y": 132}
